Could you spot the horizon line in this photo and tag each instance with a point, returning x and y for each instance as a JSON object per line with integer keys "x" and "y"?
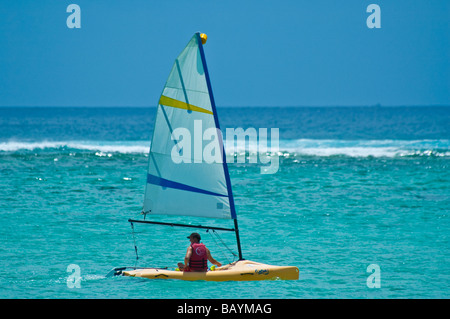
{"x": 226, "y": 106}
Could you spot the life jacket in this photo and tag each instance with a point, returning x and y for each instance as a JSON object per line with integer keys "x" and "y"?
{"x": 198, "y": 260}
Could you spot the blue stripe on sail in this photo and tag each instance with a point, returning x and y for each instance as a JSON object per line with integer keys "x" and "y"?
{"x": 155, "y": 180}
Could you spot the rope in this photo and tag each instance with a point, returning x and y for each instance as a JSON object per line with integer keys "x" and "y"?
{"x": 135, "y": 246}
{"x": 223, "y": 243}
{"x": 213, "y": 233}
{"x": 224, "y": 255}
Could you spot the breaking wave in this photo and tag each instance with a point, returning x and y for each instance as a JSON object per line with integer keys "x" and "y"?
{"x": 105, "y": 147}
{"x": 299, "y": 147}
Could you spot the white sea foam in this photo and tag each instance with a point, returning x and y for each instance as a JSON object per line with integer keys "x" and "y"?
{"x": 352, "y": 148}
{"x": 103, "y": 147}
{"x": 308, "y": 147}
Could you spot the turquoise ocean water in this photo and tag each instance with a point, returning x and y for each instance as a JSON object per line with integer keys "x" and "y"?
{"x": 356, "y": 186}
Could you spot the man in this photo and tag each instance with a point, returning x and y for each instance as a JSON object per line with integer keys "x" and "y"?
{"x": 197, "y": 256}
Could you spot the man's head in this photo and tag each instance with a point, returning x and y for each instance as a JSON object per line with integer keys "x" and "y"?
{"x": 194, "y": 237}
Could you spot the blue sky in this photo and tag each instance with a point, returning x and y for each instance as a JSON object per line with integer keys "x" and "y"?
{"x": 259, "y": 53}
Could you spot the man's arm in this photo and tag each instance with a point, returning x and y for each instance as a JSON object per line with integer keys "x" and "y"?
{"x": 211, "y": 259}
{"x": 188, "y": 256}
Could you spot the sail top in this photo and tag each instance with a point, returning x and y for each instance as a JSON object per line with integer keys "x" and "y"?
{"x": 187, "y": 172}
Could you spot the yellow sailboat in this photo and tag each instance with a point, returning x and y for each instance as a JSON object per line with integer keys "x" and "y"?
{"x": 181, "y": 182}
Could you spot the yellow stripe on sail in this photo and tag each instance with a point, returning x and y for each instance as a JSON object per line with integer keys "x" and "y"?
{"x": 167, "y": 101}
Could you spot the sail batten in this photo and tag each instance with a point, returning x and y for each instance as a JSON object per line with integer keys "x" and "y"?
{"x": 182, "y": 83}
{"x": 192, "y": 186}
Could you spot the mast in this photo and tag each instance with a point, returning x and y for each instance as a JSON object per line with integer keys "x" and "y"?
{"x": 224, "y": 161}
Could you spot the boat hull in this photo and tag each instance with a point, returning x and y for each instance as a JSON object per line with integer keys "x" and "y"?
{"x": 243, "y": 270}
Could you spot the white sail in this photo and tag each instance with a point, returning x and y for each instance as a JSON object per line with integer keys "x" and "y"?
{"x": 188, "y": 183}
